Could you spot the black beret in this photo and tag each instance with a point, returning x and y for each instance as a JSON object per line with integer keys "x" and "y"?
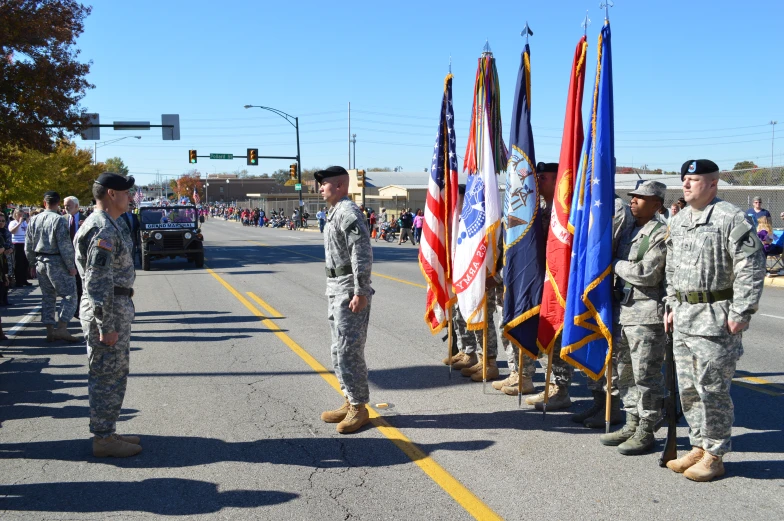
{"x": 698, "y": 167}
{"x": 461, "y": 189}
{"x": 52, "y": 197}
{"x": 547, "y": 167}
{"x": 115, "y": 181}
{"x": 333, "y": 171}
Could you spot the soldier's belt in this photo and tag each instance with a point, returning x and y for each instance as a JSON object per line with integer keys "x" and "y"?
{"x": 339, "y": 271}
{"x": 703, "y": 297}
{"x": 40, "y": 253}
{"x": 126, "y": 292}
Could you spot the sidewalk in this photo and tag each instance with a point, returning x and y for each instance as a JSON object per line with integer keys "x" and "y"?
{"x": 25, "y": 309}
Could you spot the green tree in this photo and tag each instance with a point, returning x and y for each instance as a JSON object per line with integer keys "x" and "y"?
{"x": 744, "y": 165}
{"x": 41, "y": 80}
{"x": 280, "y": 175}
{"x": 116, "y": 165}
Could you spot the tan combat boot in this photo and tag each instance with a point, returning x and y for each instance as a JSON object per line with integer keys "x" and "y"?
{"x": 557, "y": 401}
{"x": 528, "y": 387}
{"x": 455, "y": 359}
{"x": 539, "y": 397}
{"x": 512, "y": 379}
{"x": 684, "y": 462}
{"x": 492, "y": 371}
{"x": 337, "y": 415}
{"x": 356, "y": 418}
{"x": 61, "y": 333}
{"x": 115, "y": 447}
{"x": 706, "y": 469}
{"x": 466, "y": 361}
{"x": 129, "y": 439}
{"x": 49, "y": 333}
{"x": 469, "y": 370}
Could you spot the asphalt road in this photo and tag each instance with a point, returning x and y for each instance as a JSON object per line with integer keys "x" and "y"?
{"x": 228, "y": 381}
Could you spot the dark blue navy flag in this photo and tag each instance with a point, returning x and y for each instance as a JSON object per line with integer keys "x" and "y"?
{"x": 587, "y": 333}
{"x": 523, "y": 235}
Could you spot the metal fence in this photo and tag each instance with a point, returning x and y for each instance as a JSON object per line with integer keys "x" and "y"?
{"x": 740, "y": 187}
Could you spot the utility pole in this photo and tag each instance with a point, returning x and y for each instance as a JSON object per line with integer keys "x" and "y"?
{"x": 772, "y": 141}
{"x": 349, "y": 136}
{"x": 354, "y": 142}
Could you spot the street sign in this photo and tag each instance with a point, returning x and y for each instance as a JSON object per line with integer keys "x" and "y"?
{"x": 221, "y": 156}
{"x": 298, "y": 187}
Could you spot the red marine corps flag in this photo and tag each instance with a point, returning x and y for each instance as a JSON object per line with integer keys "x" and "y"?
{"x": 435, "y": 251}
{"x": 559, "y": 238}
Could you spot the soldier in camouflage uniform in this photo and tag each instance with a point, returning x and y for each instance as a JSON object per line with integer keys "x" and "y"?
{"x": 104, "y": 259}
{"x": 715, "y": 274}
{"x": 639, "y": 338}
{"x": 49, "y": 250}
{"x": 349, "y": 260}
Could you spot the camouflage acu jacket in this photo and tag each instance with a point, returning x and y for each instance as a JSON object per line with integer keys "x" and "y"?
{"x": 347, "y": 243}
{"x": 104, "y": 260}
{"x": 48, "y": 234}
{"x": 646, "y": 276}
{"x": 716, "y": 251}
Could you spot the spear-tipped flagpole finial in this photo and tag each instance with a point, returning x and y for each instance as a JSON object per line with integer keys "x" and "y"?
{"x": 486, "y": 49}
{"x": 606, "y": 5}
{"x": 526, "y": 32}
{"x": 586, "y": 23}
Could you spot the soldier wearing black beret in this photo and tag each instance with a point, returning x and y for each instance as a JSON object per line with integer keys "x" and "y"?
{"x": 714, "y": 277}
{"x": 104, "y": 259}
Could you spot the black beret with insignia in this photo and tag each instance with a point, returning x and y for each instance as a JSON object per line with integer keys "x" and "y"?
{"x": 115, "y": 181}
{"x": 333, "y": 171}
{"x": 547, "y": 167}
{"x": 698, "y": 167}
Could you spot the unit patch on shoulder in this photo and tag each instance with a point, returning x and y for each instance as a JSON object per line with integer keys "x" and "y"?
{"x": 104, "y": 245}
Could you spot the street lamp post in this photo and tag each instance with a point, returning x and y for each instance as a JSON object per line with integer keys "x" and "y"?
{"x": 294, "y": 124}
{"x": 354, "y": 142}
{"x": 104, "y": 143}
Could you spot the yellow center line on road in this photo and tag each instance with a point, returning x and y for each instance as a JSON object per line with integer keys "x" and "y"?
{"x": 322, "y": 260}
{"x": 464, "y": 497}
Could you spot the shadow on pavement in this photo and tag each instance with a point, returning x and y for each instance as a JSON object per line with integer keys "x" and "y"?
{"x": 187, "y": 451}
{"x": 162, "y": 496}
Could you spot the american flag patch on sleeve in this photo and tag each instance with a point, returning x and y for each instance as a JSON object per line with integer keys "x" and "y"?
{"x": 104, "y": 244}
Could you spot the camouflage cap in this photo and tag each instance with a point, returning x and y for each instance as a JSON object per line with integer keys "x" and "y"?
{"x": 650, "y": 188}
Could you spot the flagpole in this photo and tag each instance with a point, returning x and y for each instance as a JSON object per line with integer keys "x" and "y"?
{"x": 520, "y": 379}
{"x": 484, "y": 351}
{"x": 449, "y": 334}
{"x": 547, "y": 375}
{"x": 608, "y": 393}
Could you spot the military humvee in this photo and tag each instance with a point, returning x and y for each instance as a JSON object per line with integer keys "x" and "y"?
{"x": 171, "y": 231}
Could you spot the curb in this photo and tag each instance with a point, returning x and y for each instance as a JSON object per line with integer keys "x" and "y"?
{"x": 776, "y": 282}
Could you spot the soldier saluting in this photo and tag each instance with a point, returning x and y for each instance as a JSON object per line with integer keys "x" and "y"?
{"x": 104, "y": 258}
{"x": 349, "y": 260}
{"x": 715, "y": 273}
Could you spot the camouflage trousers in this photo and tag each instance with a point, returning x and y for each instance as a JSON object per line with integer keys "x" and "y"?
{"x": 108, "y": 366}
{"x": 349, "y": 333}
{"x": 470, "y": 341}
{"x": 55, "y": 281}
{"x": 639, "y": 351}
{"x": 705, "y": 366}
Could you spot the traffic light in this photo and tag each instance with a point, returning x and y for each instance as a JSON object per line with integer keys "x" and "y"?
{"x": 361, "y": 178}
{"x": 191, "y": 156}
{"x": 293, "y": 171}
{"x": 253, "y": 156}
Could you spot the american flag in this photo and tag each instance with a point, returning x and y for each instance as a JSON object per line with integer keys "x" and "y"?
{"x": 196, "y": 198}
{"x": 435, "y": 248}
{"x": 138, "y": 197}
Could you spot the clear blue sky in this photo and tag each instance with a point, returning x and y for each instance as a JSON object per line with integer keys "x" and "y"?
{"x": 692, "y": 79}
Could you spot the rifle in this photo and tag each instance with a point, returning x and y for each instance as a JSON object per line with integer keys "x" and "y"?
{"x": 670, "y": 406}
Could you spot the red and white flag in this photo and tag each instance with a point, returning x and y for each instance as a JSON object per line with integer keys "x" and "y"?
{"x": 434, "y": 250}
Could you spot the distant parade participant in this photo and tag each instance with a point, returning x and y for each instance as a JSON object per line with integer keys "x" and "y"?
{"x": 638, "y": 336}
{"x": 51, "y": 257}
{"x": 75, "y": 218}
{"x": 104, "y": 256}
{"x": 715, "y": 275}
{"x": 349, "y": 261}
